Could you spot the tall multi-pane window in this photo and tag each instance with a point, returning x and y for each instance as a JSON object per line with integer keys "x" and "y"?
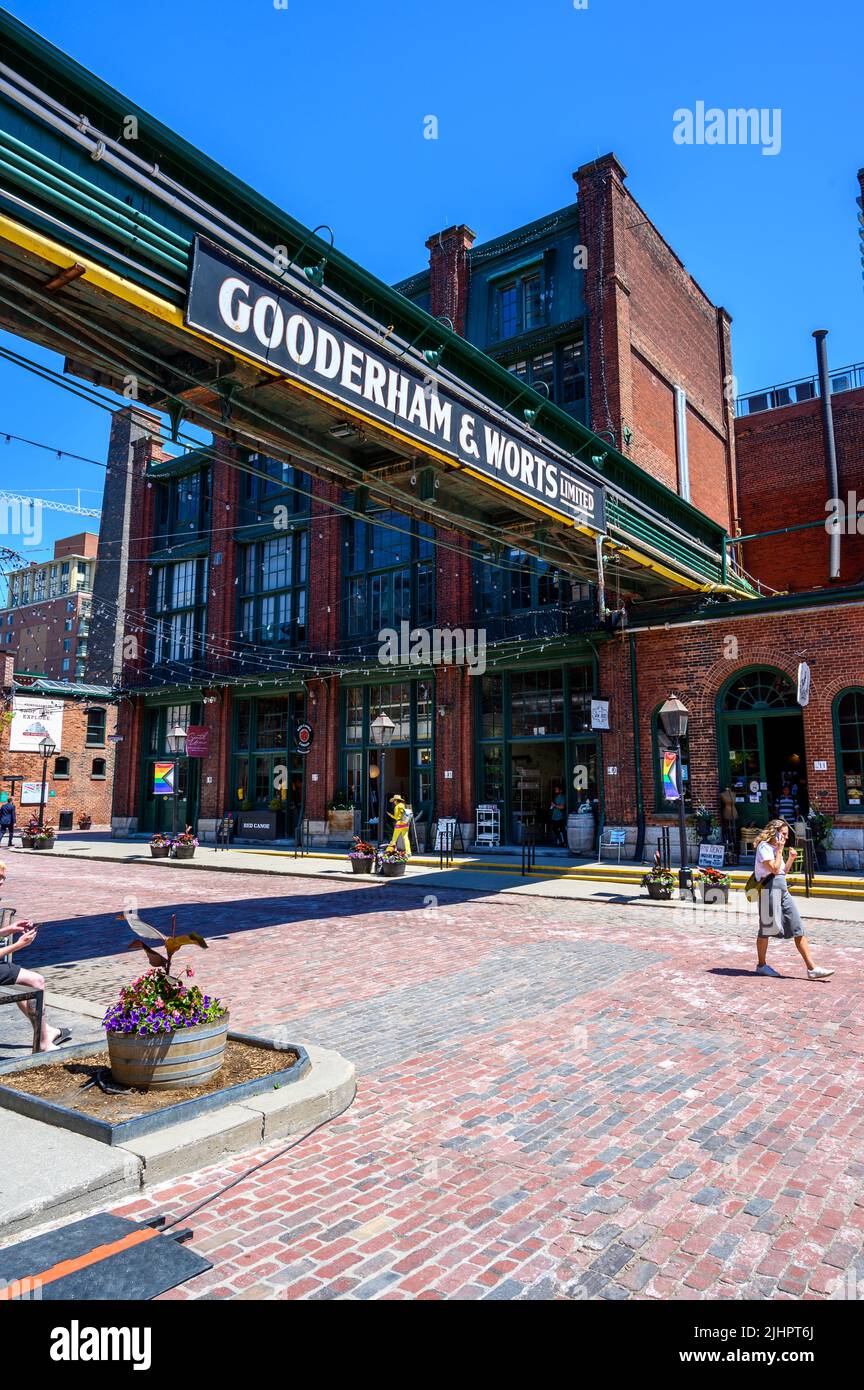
{"x": 179, "y": 606}
{"x": 274, "y": 577}
{"x": 182, "y": 509}
{"x": 849, "y": 723}
{"x": 390, "y": 573}
{"x": 519, "y": 304}
{"x": 561, "y": 368}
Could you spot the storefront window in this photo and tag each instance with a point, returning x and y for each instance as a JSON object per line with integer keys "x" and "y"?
{"x": 537, "y": 704}
{"x": 491, "y": 706}
{"x": 408, "y": 765}
{"x": 849, "y": 731}
{"x": 266, "y": 767}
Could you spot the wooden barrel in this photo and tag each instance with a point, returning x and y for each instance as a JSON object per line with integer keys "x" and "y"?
{"x": 580, "y": 834}
{"x": 189, "y": 1057}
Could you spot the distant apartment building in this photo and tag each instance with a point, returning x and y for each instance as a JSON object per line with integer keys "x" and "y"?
{"x": 45, "y": 625}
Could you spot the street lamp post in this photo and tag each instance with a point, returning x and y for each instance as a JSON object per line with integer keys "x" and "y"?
{"x": 47, "y": 749}
{"x": 674, "y": 718}
{"x": 382, "y": 730}
{"x": 176, "y": 741}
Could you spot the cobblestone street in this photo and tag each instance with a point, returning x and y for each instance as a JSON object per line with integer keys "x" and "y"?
{"x": 554, "y": 1098}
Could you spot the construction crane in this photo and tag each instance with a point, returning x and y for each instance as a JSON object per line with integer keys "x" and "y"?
{"x": 54, "y": 506}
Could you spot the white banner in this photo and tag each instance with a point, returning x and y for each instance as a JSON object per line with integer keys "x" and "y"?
{"x": 33, "y": 720}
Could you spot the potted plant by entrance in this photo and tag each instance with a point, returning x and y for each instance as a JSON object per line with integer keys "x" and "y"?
{"x": 163, "y": 1033}
{"x": 714, "y": 885}
{"x": 160, "y": 845}
{"x": 704, "y": 821}
{"x": 184, "y": 846}
{"x": 821, "y": 826}
{"x": 43, "y": 837}
{"x": 84, "y": 821}
{"x": 362, "y": 856}
{"x": 391, "y": 862}
{"x": 29, "y": 835}
{"x": 340, "y": 815}
{"x": 659, "y": 882}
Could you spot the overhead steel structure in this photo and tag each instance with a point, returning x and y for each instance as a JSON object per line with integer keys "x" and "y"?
{"x": 156, "y": 273}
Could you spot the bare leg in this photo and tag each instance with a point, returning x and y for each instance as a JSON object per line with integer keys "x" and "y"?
{"x": 804, "y": 949}
{"x": 761, "y": 949}
{"x": 28, "y": 1008}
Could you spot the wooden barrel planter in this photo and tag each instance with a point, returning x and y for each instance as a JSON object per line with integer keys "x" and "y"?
{"x": 189, "y": 1057}
{"x": 392, "y": 870}
{"x": 184, "y": 851}
{"x": 160, "y": 851}
{"x": 362, "y": 866}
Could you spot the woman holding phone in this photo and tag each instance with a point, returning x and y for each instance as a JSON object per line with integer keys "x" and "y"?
{"x": 778, "y": 915}
{"x": 12, "y": 974}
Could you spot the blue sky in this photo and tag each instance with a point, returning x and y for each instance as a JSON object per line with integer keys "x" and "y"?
{"x": 321, "y": 105}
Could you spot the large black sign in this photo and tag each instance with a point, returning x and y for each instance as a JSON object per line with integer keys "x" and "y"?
{"x": 270, "y": 322}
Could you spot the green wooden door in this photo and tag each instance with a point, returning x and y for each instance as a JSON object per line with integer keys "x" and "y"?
{"x": 745, "y": 769}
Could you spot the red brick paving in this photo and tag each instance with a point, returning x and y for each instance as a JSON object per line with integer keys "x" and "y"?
{"x": 555, "y": 1098}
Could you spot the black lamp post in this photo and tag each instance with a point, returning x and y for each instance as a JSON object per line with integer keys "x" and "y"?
{"x": 674, "y": 718}
{"x": 176, "y": 741}
{"x": 382, "y": 730}
{"x": 47, "y": 749}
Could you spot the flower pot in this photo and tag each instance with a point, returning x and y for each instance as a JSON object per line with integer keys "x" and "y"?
{"x": 184, "y": 851}
{"x": 395, "y": 870}
{"x": 26, "y": 841}
{"x": 659, "y": 891}
{"x": 713, "y": 893}
{"x": 362, "y": 866}
{"x": 160, "y": 851}
{"x": 189, "y": 1057}
{"x": 42, "y": 844}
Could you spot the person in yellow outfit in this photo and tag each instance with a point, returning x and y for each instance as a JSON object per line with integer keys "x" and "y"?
{"x": 401, "y": 817}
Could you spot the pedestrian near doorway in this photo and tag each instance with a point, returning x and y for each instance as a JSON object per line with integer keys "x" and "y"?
{"x": 7, "y": 820}
{"x": 558, "y": 815}
{"x": 787, "y": 804}
{"x": 778, "y": 915}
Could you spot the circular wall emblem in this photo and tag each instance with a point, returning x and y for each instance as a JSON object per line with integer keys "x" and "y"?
{"x": 305, "y": 734}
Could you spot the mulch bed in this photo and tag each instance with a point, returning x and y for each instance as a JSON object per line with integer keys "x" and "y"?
{"x": 62, "y": 1082}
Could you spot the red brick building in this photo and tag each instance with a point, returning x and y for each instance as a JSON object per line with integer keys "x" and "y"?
{"x": 46, "y": 624}
{"x": 81, "y": 722}
{"x": 260, "y": 623}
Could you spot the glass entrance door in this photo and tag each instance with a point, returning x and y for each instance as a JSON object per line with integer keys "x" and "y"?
{"x": 746, "y": 770}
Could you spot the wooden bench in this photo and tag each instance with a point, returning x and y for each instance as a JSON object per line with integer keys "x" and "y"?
{"x": 19, "y": 994}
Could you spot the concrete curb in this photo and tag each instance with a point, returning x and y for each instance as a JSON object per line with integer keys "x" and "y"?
{"x": 68, "y": 1174}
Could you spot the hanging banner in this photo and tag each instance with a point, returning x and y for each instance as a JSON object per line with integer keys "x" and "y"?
{"x": 803, "y": 684}
{"x": 669, "y": 771}
{"x": 599, "y": 714}
{"x": 303, "y": 738}
{"x": 163, "y": 779}
{"x": 269, "y": 321}
{"x": 32, "y": 720}
{"x": 197, "y": 741}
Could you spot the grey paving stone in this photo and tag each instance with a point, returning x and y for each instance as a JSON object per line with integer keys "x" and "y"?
{"x": 708, "y": 1196}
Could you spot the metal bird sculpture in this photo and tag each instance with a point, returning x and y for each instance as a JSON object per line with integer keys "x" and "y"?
{"x": 145, "y": 934}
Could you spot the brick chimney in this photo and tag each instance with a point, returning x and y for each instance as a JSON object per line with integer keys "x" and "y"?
{"x": 449, "y": 273}
{"x": 602, "y": 204}
{"x": 8, "y": 677}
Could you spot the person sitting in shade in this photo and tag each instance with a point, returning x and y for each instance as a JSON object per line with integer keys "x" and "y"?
{"x": 11, "y": 974}
{"x": 401, "y": 818}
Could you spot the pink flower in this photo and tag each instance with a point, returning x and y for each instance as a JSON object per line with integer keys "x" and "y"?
{"x": 189, "y": 971}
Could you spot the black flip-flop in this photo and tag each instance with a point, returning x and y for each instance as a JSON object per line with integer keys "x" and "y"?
{"x": 63, "y": 1036}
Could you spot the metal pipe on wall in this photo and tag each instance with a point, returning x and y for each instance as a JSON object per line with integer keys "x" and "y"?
{"x": 820, "y": 334}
